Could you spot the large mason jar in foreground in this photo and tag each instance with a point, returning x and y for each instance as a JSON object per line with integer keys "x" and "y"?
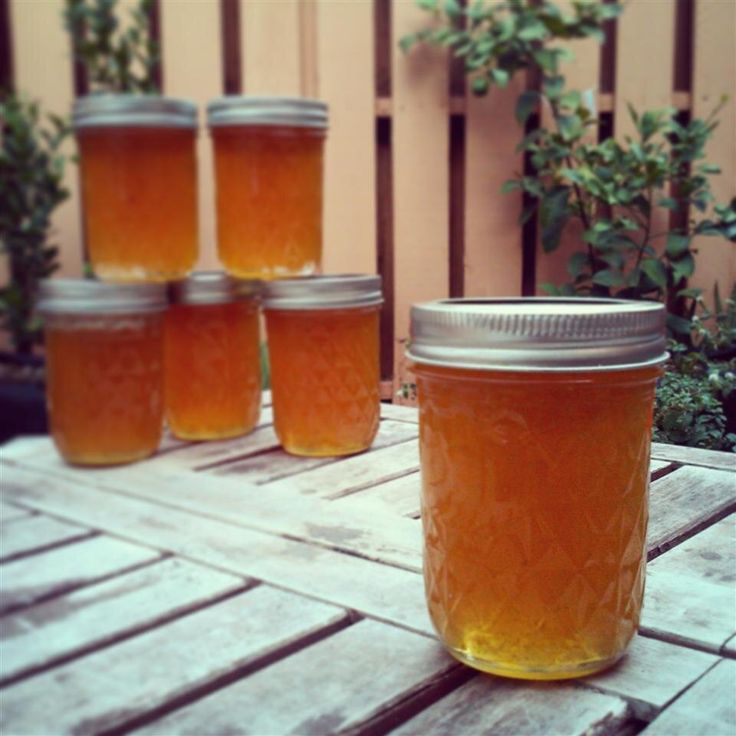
{"x": 535, "y": 429}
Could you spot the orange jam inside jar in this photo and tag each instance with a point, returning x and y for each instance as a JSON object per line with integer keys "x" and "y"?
{"x": 268, "y": 173}
{"x": 535, "y": 429}
{"x": 139, "y": 185}
{"x": 104, "y": 369}
{"x": 324, "y": 355}
{"x": 212, "y": 357}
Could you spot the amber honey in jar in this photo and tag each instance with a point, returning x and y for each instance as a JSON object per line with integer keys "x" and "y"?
{"x": 211, "y": 357}
{"x": 268, "y": 176}
{"x": 535, "y": 426}
{"x": 323, "y": 347}
{"x": 104, "y": 368}
{"x": 139, "y": 185}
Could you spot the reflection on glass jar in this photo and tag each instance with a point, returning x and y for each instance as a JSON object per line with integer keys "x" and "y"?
{"x": 535, "y": 426}
{"x": 104, "y": 372}
{"x": 212, "y": 358}
{"x": 139, "y": 185}
{"x": 324, "y": 355}
{"x": 268, "y": 171}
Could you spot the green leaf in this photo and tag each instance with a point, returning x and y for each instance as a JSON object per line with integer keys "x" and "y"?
{"x": 679, "y": 325}
{"x": 684, "y": 267}
{"x": 526, "y": 104}
{"x": 511, "y": 185}
{"x": 500, "y": 77}
{"x": 656, "y": 271}
{"x": 609, "y": 277}
{"x": 677, "y": 245}
{"x": 480, "y": 86}
{"x": 533, "y": 30}
{"x": 576, "y": 264}
{"x": 669, "y": 203}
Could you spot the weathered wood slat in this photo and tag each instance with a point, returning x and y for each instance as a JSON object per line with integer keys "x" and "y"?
{"x": 694, "y": 456}
{"x": 690, "y": 590}
{"x": 400, "y": 413}
{"x": 270, "y": 466}
{"x": 682, "y": 502}
{"x": 656, "y": 465}
{"x": 31, "y": 579}
{"x": 343, "y": 681}
{"x": 488, "y": 705}
{"x": 10, "y": 513}
{"x": 708, "y": 708}
{"x": 652, "y": 674}
{"x": 114, "y": 686}
{"x": 729, "y": 648}
{"x": 36, "y": 533}
{"x": 97, "y": 614}
{"x": 356, "y": 472}
{"x": 398, "y": 496}
{"x": 378, "y": 591}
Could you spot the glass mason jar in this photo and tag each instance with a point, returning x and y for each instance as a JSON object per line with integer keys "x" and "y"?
{"x": 139, "y": 185}
{"x": 324, "y": 352}
{"x": 104, "y": 369}
{"x": 535, "y": 428}
{"x": 268, "y": 174}
{"x": 212, "y": 363}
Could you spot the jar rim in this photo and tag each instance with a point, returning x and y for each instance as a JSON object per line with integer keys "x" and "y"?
{"x": 88, "y": 296}
{"x": 538, "y": 334}
{"x": 337, "y": 291}
{"x": 212, "y": 287}
{"x": 247, "y": 110}
{"x": 123, "y": 110}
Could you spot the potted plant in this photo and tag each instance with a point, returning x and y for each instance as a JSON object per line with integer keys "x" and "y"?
{"x": 31, "y": 188}
{"x": 610, "y": 190}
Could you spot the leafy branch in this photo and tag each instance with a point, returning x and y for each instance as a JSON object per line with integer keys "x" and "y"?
{"x": 117, "y": 56}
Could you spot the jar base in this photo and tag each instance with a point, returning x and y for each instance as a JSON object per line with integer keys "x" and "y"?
{"x": 324, "y": 452}
{"x": 568, "y": 672}
{"x": 136, "y": 275}
{"x": 98, "y": 461}
{"x": 210, "y": 435}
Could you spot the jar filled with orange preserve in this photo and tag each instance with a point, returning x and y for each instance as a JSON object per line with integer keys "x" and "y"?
{"x": 323, "y": 347}
{"x": 211, "y": 357}
{"x": 268, "y": 174}
{"x": 535, "y": 427}
{"x": 104, "y": 368}
{"x": 139, "y": 185}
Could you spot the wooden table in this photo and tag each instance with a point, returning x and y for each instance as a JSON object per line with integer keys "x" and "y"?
{"x": 227, "y": 587}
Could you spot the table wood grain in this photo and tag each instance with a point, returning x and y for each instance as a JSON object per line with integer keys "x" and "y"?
{"x": 227, "y": 587}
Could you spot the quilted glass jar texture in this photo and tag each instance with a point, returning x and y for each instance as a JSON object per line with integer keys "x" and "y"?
{"x": 535, "y": 429}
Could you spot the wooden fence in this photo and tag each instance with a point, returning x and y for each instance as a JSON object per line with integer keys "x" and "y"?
{"x": 413, "y": 164}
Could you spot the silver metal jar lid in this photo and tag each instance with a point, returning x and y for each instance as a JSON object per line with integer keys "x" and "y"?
{"x": 538, "y": 334}
{"x": 211, "y": 287}
{"x": 85, "y": 296}
{"x": 133, "y": 111}
{"x": 323, "y": 292}
{"x": 299, "y": 112}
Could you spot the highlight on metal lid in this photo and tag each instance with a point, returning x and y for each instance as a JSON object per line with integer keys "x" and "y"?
{"x": 323, "y": 292}
{"x": 87, "y": 296}
{"x": 134, "y": 111}
{"x": 212, "y": 287}
{"x": 299, "y": 112}
{"x": 538, "y": 334}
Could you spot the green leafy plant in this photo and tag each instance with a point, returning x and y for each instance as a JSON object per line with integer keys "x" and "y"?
{"x": 118, "y": 55}
{"x": 31, "y": 188}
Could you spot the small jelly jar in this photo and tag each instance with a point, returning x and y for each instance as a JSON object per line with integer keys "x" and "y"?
{"x": 323, "y": 347}
{"x": 139, "y": 185}
{"x": 212, "y": 357}
{"x": 268, "y": 176}
{"x": 535, "y": 423}
{"x": 104, "y": 368}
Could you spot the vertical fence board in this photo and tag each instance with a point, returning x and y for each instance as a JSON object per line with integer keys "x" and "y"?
{"x": 581, "y": 74}
{"x": 271, "y": 47}
{"x": 645, "y": 74}
{"x": 714, "y": 74}
{"x": 43, "y": 71}
{"x": 420, "y": 175}
{"x": 493, "y": 252}
{"x": 346, "y": 81}
{"x": 192, "y": 65}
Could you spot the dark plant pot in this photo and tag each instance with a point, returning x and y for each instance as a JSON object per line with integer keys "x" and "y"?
{"x": 22, "y": 396}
